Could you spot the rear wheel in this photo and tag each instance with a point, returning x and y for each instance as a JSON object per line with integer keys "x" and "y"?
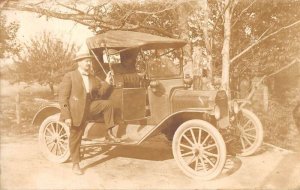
{"x": 199, "y": 149}
{"x": 54, "y": 139}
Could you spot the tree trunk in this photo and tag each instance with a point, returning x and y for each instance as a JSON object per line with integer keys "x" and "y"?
{"x": 226, "y": 48}
{"x": 207, "y": 41}
{"x": 183, "y": 27}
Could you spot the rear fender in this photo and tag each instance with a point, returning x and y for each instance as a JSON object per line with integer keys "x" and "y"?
{"x": 45, "y": 112}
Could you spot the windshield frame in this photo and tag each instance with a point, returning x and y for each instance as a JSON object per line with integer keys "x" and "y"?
{"x": 175, "y": 76}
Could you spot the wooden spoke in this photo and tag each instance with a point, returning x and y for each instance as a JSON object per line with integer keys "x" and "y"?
{"x": 203, "y": 163}
{"x": 53, "y": 128}
{"x": 49, "y": 131}
{"x": 196, "y": 164}
{"x": 185, "y": 146}
{"x": 208, "y": 160}
{"x": 248, "y": 122}
{"x": 56, "y": 127}
{"x": 52, "y": 147}
{"x": 206, "y": 138}
{"x": 59, "y": 148}
{"x": 190, "y": 142}
{"x": 252, "y": 137}
{"x": 210, "y": 146}
{"x": 248, "y": 141}
{"x": 187, "y": 153}
{"x": 61, "y": 128}
{"x": 62, "y": 146}
{"x": 210, "y": 154}
{"x": 56, "y": 148}
{"x": 192, "y": 160}
{"x": 243, "y": 144}
{"x": 48, "y": 137}
{"x": 65, "y": 141}
{"x": 199, "y": 136}
{"x": 63, "y": 135}
{"x": 193, "y": 135}
{"x": 249, "y": 129}
{"x": 48, "y": 143}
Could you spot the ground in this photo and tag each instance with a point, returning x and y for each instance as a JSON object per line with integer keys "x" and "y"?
{"x": 150, "y": 166}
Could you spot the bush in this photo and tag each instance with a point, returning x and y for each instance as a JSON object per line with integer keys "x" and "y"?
{"x": 279, "y": 126}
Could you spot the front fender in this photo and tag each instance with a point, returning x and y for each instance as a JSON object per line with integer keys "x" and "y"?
{"x": 45, "y": 112}
{"x": 170, "y": 124}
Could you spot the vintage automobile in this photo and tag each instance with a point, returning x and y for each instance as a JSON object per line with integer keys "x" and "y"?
{"x": 151, "y": 96}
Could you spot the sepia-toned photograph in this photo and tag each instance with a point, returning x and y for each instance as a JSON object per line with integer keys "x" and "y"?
{"x": 149, "y": 94}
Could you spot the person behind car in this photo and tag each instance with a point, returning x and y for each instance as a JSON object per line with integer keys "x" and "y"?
{"x": 80, "y": 95}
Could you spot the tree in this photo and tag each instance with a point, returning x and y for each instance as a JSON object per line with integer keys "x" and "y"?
{"x": 8, "y": 42}
{"x": 45, "y": 59}
{"x": 104, "y": 15}
{"x": 232, "y": 32}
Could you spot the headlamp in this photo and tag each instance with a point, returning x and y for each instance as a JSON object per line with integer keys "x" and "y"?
{"x": 217, "y": 112}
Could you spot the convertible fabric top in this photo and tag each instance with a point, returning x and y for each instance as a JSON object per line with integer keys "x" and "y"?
{"x": 127, "y": 39}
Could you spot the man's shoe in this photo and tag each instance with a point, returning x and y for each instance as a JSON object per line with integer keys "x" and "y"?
{"x": 111, "y": 137}
{"x": 76, "y": 169}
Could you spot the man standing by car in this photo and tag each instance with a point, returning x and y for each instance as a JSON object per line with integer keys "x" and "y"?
{"x": 80, "y": 97}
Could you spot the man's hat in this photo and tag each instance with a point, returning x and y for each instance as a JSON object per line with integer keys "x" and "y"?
{"x": 83, "y": 53}
{"x": 81, "y": 56}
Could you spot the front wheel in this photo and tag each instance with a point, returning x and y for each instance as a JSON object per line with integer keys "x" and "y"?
{"x": 250, "y": 131}
{"x": 199, "y": 149}
{"x": 54, "y": 139}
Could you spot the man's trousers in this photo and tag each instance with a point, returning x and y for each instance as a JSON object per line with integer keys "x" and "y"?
{"x": 95, "y": 107}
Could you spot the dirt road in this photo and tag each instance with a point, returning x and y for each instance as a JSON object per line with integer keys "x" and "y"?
{"x": 150, "y": 166}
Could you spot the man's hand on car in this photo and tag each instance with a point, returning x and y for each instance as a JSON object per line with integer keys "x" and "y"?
{"x": 110, "y": 78}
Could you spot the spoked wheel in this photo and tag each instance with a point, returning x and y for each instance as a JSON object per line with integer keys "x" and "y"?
{"x": 250, "y": 132}
{"x": 199, "y": 149}
{"x": 54, "y": 139}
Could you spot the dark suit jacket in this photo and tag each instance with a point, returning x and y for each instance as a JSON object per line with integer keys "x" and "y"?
{"x": 72, "y": 96}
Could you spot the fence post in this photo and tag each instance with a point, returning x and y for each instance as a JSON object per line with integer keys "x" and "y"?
{"x": 18, "y": 117}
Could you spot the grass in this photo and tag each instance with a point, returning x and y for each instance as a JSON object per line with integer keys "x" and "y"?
{"x": 278, "y": 122}
{"x": 28, "y": 107}
{"x": 279, "y": 125}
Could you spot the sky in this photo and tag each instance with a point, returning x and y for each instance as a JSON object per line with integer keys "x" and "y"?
{"x": 32, "y": 25}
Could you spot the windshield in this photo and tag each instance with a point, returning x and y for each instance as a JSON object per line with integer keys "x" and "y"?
{"x": 162, "y": 62}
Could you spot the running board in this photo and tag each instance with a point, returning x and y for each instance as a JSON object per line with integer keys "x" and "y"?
{"x": 102, "y": 141}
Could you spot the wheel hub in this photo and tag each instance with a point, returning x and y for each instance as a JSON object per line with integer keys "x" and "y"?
{"x": 56, "y": 138}
{"x": 239, "y": 130}
{"x": 197, "y": 150}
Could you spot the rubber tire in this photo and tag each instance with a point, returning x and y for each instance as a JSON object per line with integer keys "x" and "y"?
{"x": 43, "y": 148}
{"x": 217, "y": 137}
{"x": 259, "y": 132}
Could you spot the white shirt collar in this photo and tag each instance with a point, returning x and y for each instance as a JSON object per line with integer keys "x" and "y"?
{"x": 82, "y": 72}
